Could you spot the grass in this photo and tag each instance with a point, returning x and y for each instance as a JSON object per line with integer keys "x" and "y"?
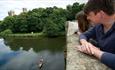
{"x": 24, "y": 34}
{"x": 29, "y": 35}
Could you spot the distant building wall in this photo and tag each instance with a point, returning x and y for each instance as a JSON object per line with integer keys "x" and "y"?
{"x": 11, "y": 13}
{"x": 24, "y": 9}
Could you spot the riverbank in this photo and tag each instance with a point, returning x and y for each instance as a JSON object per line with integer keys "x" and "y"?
{"x": 28, "y": 35}
{"x": 25, "y": 34}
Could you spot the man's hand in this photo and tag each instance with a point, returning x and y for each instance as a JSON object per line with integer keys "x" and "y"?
{"x": 91, "y": 50}
{"x": 85, "y": 46}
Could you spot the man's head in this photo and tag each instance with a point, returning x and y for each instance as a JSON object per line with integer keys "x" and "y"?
{"x": 97, "y": 9}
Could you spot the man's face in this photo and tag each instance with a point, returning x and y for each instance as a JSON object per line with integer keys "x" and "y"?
{"x": 94, "y": 18}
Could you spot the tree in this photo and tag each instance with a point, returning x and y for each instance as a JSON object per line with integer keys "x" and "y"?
{"x": 72, "y": 10}
{"x": 35, "y": 20}
{"x": 20, "y": 25}
{"x": 51, "y": 29}
{"x": 7, "y": 23}
{"x": 50, "y": 21}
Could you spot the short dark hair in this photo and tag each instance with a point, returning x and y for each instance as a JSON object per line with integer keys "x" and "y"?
{"x": 108, "y": 6}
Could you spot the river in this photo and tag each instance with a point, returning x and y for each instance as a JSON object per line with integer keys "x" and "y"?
{"x": 26, "y": 53}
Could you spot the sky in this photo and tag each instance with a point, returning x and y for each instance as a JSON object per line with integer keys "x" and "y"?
{"x": 17, "y": 5}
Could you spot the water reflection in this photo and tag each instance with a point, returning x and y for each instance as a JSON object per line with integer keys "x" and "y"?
{"x": 29, "y": 59}
{"x": 37, "y": 43}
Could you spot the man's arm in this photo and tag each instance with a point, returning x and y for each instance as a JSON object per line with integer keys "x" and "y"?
{"x": 91, "y": 33}
{"x": 105, "y": 57}
{"x": 108, "y": 59}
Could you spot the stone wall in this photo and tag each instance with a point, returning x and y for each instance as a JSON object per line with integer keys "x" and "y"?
{"x": 76, "y": 60}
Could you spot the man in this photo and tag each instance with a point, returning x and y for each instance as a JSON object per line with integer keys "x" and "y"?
{"x": 102, "y": 14}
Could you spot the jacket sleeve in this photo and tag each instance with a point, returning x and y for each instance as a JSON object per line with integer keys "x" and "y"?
{"x": 91, "y": 33}
{"x": 109, "y": 60}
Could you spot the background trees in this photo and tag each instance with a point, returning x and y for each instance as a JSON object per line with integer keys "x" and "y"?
{"x": 49, "y": 21}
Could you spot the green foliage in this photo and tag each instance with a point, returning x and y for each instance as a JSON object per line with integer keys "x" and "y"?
{"x": 51, "y": 29}
{"x": 72, "y": 10}
{"x": 5, "y": 32}
{"x": 20, "y": 23}
{"x": 0, "y": 22}
{"x": 35, "y": 20}
{"x": 50, "y": 21}
{"x": 7, "y": 23}
{"x": 55, "y": 23}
